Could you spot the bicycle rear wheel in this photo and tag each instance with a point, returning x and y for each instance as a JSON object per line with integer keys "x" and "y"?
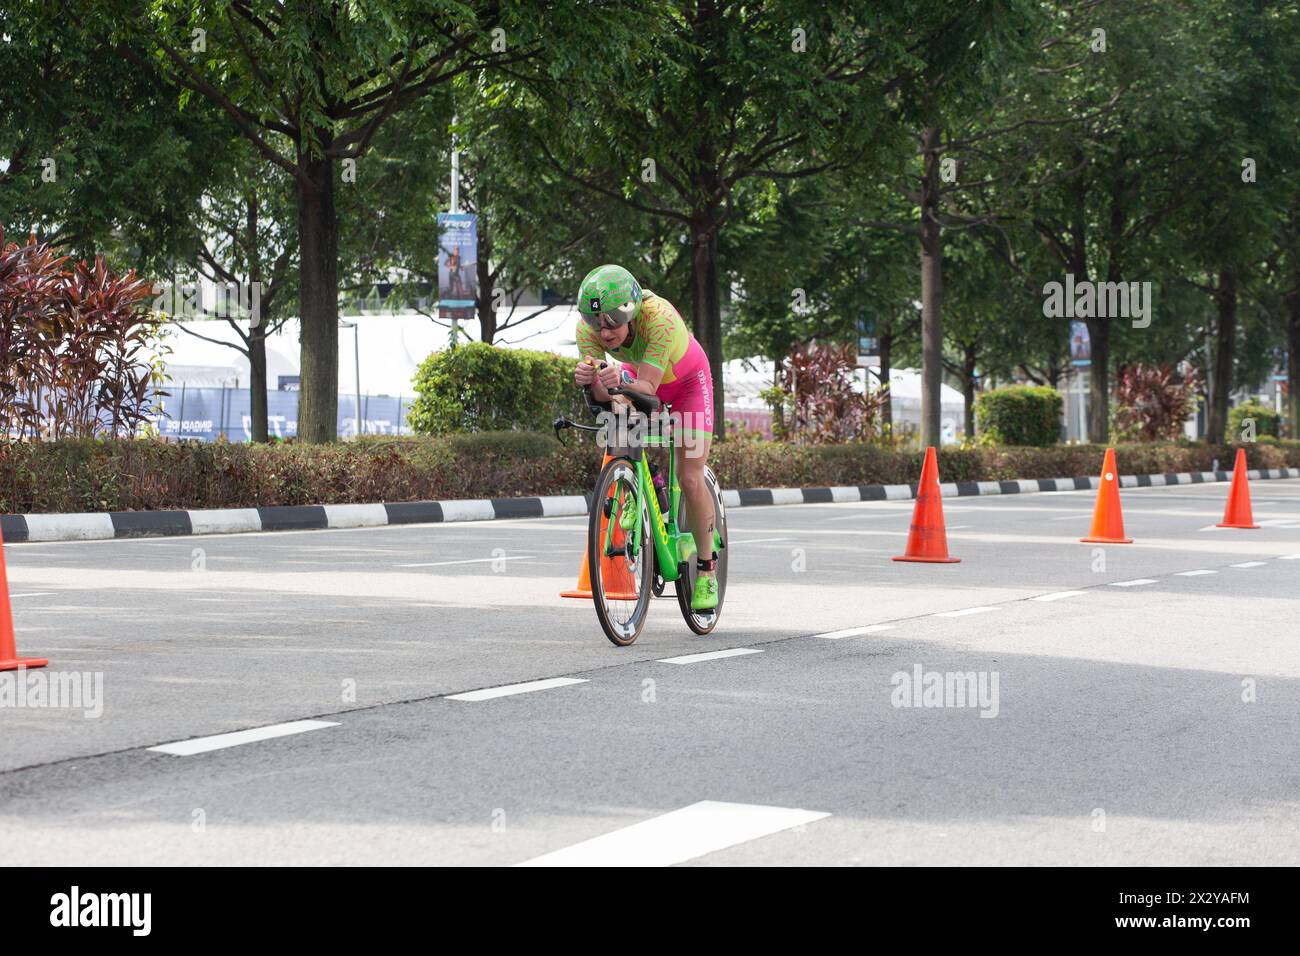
{"x": 702, "y": 622}
{"x": 622, "y": 573}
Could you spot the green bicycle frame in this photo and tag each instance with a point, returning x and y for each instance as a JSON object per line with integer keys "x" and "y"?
{"x": 671, "y": 545}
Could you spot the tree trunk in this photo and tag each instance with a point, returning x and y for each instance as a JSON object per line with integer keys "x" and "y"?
{"x": 1099, "y": 381}
{"x": 968, "y": 389}
{"x": 706, "y": 310}
{"x": 931, "y": 293}
{"x": 257, "y": 381}
{"x": 1225, "y": 300}
{"x": 487, "y": 312}
{"x": 1293, "y": 360}
{"x": 256, "y": 329}
{"x": 887, "y": 409}
{"x": 318, "y": 399}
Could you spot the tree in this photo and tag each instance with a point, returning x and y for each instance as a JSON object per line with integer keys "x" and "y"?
{"x": 770, "y": 91}
{"x": 1253, "y": 85}
{"x": 248, "y": 251}
{"x": 536, "y": 229}
{"x": 94, "y": 156}
{"x": 310, "y": 84}
{"x": 1126, "y": 177}
{"x": 801, "y": 269}
{"x": 984, "y": 327}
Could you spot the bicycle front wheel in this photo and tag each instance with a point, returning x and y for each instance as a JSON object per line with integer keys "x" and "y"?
{"x": 620, "y": 562}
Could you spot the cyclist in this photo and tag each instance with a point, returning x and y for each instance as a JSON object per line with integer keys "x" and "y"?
{"x": 659, "y": 356}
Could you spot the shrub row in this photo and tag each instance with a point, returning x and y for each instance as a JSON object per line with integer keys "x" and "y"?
{"x": 133, "y": 475}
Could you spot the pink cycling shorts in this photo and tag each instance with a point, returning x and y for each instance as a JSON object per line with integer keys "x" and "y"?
{"x": 690, "y": 393}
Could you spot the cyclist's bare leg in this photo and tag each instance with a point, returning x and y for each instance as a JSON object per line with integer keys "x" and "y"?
{"x": 692, "y": 456}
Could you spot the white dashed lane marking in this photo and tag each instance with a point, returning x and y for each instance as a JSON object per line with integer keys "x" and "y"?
{"x": 439, "y": 564}
{"x": 1132, "y": 584}
{"x": 855, "y": 631}
{"x": 1194, "y": 574}
{"x": 1059, "y": 595}
{"x": 710, "y": 656}
{"x": 967, "y": 610}
{"x": 198, "y": 745}
{"x": 488, "y": 693}
{"x": 704, "y": 827}
{"x": 1249, "y": 564}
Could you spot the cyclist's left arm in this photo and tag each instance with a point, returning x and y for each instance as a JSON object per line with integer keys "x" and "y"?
{"x": 658, "y": 326}
{"x": 648, "y": 378}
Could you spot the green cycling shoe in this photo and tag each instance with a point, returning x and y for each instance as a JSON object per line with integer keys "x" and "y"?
{"x": 629, "y": 516}
{"x": 705, "y": 597}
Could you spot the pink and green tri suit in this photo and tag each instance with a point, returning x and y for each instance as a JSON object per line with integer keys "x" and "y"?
{"x": 661, "y": 339}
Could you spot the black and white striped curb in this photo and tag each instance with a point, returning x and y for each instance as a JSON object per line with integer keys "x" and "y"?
{"x": 137, "y": 524}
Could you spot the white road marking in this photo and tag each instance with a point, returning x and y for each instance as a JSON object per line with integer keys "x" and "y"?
{"x": 855, "y": 631}
{"x": 1193, "y": 574}
{"x": 185, "y": 748}
{"x": 488, "y": 693}
{"x": 967, "y": 610}
{"x": 1058, "y": 595}
{"x": 439, "y": 564}
{"x": 32, "y": 594}
{"x": 1132, "y": 584}
{"x": 1249, "y": 564}
{"x": 891, "y": 513}
{"x": 704, "y": 827}
{"x": 1290, "y": 557}
{"x": 710, "y": 656}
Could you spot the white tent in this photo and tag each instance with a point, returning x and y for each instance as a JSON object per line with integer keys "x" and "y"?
{"x": 390, "y": 348}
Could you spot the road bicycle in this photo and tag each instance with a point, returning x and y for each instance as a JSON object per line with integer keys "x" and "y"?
{"x": 636, "y": 541}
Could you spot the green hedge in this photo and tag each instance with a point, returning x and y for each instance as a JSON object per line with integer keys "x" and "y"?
{"x": 1267, "y": 421}
{"x": 126, "y": 475}
{"x": 1020, "y": 415}
{"x": 479, "y": 388}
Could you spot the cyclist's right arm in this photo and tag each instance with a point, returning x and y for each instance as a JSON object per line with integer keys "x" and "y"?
{"x": 591, "y": 354}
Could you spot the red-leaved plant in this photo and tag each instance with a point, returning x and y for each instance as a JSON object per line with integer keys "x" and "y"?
{"x": 1153, "y": 402}
{"x": 74, "y": 346}
{"x": 826, "y": 408}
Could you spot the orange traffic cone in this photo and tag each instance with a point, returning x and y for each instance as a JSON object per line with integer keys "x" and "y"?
{"x": 927, "y": 540}
{"x": 618, "y": 583}
{"x": 1107, "y": 518}
{"x": 9, "y": 659}
{"x": 1238, "y": 513}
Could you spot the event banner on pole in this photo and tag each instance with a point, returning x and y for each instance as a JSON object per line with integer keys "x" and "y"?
{"x": 1080, "y": 345}
{"x": 457, "y": 260}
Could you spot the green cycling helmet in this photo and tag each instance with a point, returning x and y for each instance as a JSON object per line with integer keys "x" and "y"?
{"x": 609, "y": 297}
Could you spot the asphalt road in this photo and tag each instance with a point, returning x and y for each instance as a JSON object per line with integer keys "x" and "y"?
{"x": 1123, "y": 710}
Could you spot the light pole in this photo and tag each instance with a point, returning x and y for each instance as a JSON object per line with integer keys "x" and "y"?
{"x": 356, "y": 357}
{"x": 455, "y": 208}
